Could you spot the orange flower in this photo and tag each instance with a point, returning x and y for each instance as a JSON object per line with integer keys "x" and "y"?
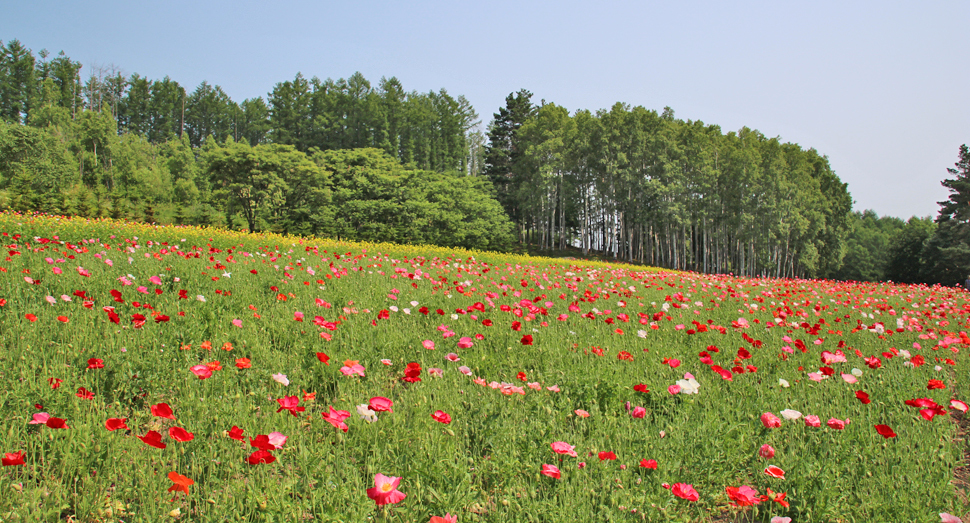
{"x": 179, "y": 482}
{"x": 214, "y": 365}
{"x": 243, "y": 363}
{"x": 309, "y": 396}
{"x": 185, "y": 347}
{"x": 207, "y": 345}
{"x": 227, "y": 346}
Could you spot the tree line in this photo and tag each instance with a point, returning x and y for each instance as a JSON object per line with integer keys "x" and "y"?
{"x": 334, "y": 158}
{"x": 348, "y": 159}
{"x": 647, "y": 187}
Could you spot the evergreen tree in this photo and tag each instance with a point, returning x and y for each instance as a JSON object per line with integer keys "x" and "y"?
{"x": 504, "y": 152}
{"x": 946, "y": 256}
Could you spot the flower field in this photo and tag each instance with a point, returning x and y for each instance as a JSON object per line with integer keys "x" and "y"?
{"x": 184, "y": 374}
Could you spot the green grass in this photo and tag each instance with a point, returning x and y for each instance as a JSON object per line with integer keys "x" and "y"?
{"x": 485, "y": 465}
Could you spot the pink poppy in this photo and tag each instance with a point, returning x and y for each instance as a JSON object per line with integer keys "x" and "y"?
{"x": 561, "y": 447}
{"x": 380, "y": 404}
{"x": 551, "y": 470}
{"x": 385, "y": 490}
{"x": 770, "y": 421}
{"x": 428, "y": 344}
{"x": 813, "y": 421}
{"x": 202, "y": 371}
{"x": 766, "y": 451}
{"x": 465, "y": 342}
{"x": 685, "y": 491}
{"x": 639, "y": 412}
{"x": 581, "y": 413}
{"x": 336, "y": 418}
{"x": 837, "y": 424}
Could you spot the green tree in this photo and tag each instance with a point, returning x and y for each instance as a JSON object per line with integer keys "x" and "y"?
{"x": 946, "y": 255}
{"x": 17, "y": 82}
{"x": 504, "y": 151}
{"x": 905, "y": 252}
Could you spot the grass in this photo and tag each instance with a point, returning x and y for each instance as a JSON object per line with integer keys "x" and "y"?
{"x": 485, "y": 465}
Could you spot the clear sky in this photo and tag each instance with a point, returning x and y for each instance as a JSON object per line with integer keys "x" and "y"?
{"x": 881, "y": 88}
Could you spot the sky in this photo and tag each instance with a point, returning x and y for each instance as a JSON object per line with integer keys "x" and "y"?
{"x": 880, "y": 88}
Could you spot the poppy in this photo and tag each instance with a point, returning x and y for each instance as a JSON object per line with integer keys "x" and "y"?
{"x": 526, "y": 340}
{"x": 202, "y": 371}
{"x": 323, "y": 357}
{"x": 116, "y": 424}
{"x": 180, "y": 434}
{"x": 336, "y": 418}
{"x": 56, "y": 423}
{"x": 561, "y": 447}
{"x": 885, "y": 431}
{"x": 381, "y": 404}
{"x": 11, "y": 459}
{"x": 743, "y": 496}
{"x": 84, "y": 394}
{"x": 775, "y": 472}
{"x": 863, "y": 397}
{"x": 607, "y": 456}
{"x": 235, "y": 433}
{"x": 153, "y": 439}
{"x": 95, "y": 363}
{"x": 385, "y": 490}
{"x": 648, "y": 464}
{"x": 290, "y": 403}
{"x": 261, "y": 456}
{"x": 162, "y": 410}
{"x": 641, "y": 388}
{"x": 685, "y": 491}
{"x": 441, "y": 417}
{"x": 243, "y": 363}
{"x": 179, "y": 482}
{"x": 551, "y": 470}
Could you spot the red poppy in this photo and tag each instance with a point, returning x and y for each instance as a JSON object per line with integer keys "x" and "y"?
{"x": 441, "y": 417}
{"x": 412, "y": 373}
{"x": 624, "y": 355}
{"x": 607, "y": 456}
{"x": 180, "y": 434}
{"x": 179, "y": 482}
{"x": 935, "y": 384}
{"x": 243, "y": 363}
{"x": 162, "y": 410}
{"x": 235, "y": 433}
{"x": 30, "y": 317}
{"x": 11, "y": 459}
{"x": 648, "y": 464}
{"x": 84, "y": 394}
{"x": 261, "y": 456}
{"x": 521, "y": 376}
{"x": 863, "y": 397}
{"x": 116, "y": 424}
{"x": 153, "y": 439}
{"x": 54, "y": 382}
{"x": 63, "y": 319}
{"x": 261, "y": 442}
{"x": 323, "y": 357}
{"x": 526, "y": 340}
{"x": 885, "y": 431}
{"x": 95, "y": 363}
{"x": 641, "y": 388}
{"x": 56, "y": 423}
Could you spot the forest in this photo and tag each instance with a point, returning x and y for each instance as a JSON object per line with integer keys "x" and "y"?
{"x": 353, "y": 160}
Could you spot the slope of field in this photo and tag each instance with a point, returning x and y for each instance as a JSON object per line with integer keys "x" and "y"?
{"x": 173, "y": 373}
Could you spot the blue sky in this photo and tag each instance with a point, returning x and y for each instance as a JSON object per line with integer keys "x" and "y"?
{"x": 881, "y": 88}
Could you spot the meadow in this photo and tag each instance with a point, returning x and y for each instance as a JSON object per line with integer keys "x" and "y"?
{"x": 187, "y": 374}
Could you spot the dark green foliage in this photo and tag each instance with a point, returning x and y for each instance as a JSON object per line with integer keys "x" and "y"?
{"x": 946, "y": 254}
{"x": 377, "y": 199}
{"x": 867, "y": 247}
